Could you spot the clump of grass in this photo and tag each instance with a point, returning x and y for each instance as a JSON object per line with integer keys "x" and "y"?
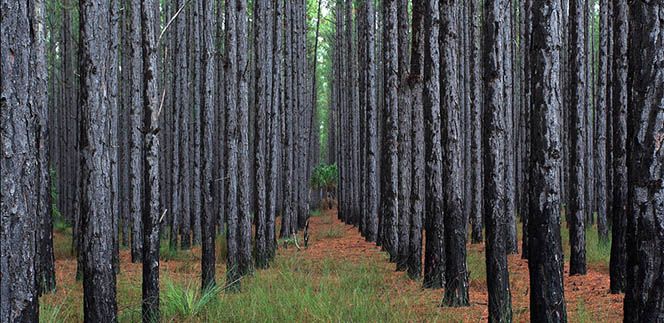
{"x": 186, "y": 300}
{"x": 476, "y": 265}
{"x": 597, "y": 251}
{"x": 582, "y": 314}
{"x": 52, "y": 313}
{"x": 315, "y": 212}
{"x": 331, "y": 233}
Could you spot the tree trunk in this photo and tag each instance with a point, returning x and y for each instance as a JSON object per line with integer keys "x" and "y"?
{"x": 273, "y": 127}
{"x": 19, "y": 166}
{"x": 600, "y": 122}
{"x": 262, "y": 103}
{"x": 151, "y": 209}
{"x": 39, "y": 71}
{"x": 96, "y": 19}
{"x": 644, "y": 292}
{"x": 476, "y": 123}
{"x": 208, "y": 220}
{"x": 136, "y": 118}
{"x": 547, "y": 303}
{"x": 617, "y": 264}
{"x": 245, "y": 218}
{"x": 500, "y": 308}
{"x": 404, "y": 138}
{"x": 417, "y": 192}
{"x": 456, "y": 275}
{"x": 231, "y": 162}
{"x": 434, "y": 257}
{"x": 390, "y": 171}
{"x": 577, "y": 132}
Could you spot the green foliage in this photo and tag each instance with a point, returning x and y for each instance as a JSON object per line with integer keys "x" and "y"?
{"x": 52, "y": 313}
{"x": 186, "y": 300}
{"x": 331, "y": 233}
{"x": 325, "y": 177}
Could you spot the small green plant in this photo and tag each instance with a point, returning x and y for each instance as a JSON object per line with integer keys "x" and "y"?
{"x": 325, "y": 177}
{"x": 187, "y": 301}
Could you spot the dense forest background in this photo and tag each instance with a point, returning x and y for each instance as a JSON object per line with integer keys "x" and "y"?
{"x": 242, "y": 160}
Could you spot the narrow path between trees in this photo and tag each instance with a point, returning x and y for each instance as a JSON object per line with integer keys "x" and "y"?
{"x": 588, "y": 298}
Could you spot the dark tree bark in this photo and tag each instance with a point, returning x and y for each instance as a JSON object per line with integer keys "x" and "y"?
{"x": 434, "y": 257}
{"x": 151, "y": 208}
{"x": 476, "y": 123}
{"x": 390, "y": 171}
{"x": 273, "y": 128}
{"x": 197, "y": 89}
{"x": 244, "y": 211}
{"x": 547, "y": 303}
{"x": 208, "y": 256}
{"x": 644, "y": 292}
{"x": 600, "y": 122}
{"x": 617, "y": 264}
{"x": 179, "y": 100}
{"x": 577, "y": 133}
{"x": 19, "y": 168}
{"x": 526, "y": 119}
{"x": 417, "y": 192}
{"x": 372, "y": 125}
{"x": 500, "y": 307}
{"x": 456, "y": 275}
{"x": 185, "y": 109}
{"x": 97, "y": 24}
{"x": 231, "y": 162}
{"x": 261, "y": 103}
{"x": 287, "y": 215}
{"x": 136, "y": 118}
{"x": 38, "y": 90}
{"x": 511, "y": 243}
{"x": 404, "y": 138}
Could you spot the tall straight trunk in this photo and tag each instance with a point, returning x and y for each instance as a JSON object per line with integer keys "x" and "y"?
{"x": 179, "y": 44}
{"x": 434, "y": 257}
{"x": 208, "y": 219}
{"x": 372, "y": 125}
{"x": 287, "y": 214}
{"x": 186, "y": 107}
{"x": 231, "y": 162}
{"x": 113, "y": 70}
{"x": 617, "y": 263}
{"x": 151, "y": 208}
{"x": 417, "y": 191}
{"x": 644, "y": 292}
{"x": 390, "y": 171}
{"x": 136, "y": 118}
{"x": 19, "y": 168}
{"x": 197, "y": 90}
{"x": 511, "y": 243}
{"x": 261, "y": 104}
{"x": 404, "y": 138}
{"x": 500, "y": 304}
{"x": 244, "y": 211}
{"x": 97, "y": 24}
{"x": 273, "y": 127}
{"x": 547, "y": 302}
{"x": 38, "y": 90}
{"x": 476, "y": 123}
{"x": 456, "y": 275}
{"x": 600, "y": 122}
{"x": 577, "y": 132}
{"x": 526, "y": 107}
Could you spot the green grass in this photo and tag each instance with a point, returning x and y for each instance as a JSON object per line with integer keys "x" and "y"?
{"x": 331, "y": 233}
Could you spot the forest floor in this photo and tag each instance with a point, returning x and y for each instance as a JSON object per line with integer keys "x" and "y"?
{"x": 340, "y": 277}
